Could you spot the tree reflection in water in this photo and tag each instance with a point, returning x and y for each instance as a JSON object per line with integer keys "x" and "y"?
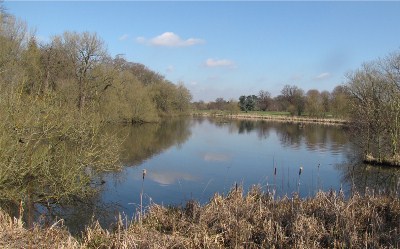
{"x": 314, "y": 136}
{"x": 368, "y": 179}
{"x": 355, "y": 176}
{"x": 140, "y": 142}
{"x": 143, "y": 141}
{"x": 290, "y": 140}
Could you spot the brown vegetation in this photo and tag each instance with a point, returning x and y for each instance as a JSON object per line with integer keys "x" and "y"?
{"x": 255, "y": 220}
{"x": 375, "y": 109}
{"x": 55, "y": 101}
{"x": 289, "y": 119}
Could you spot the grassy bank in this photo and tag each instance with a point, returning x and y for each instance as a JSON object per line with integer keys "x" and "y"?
{"x": 254, "y": 220}
{"x": 274, "y": 116}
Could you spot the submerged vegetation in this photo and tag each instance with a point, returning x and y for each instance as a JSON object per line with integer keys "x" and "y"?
{"x": 254, "y": 220}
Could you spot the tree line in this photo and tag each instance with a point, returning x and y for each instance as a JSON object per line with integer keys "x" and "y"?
{"x": 292, "y": 100}
{"x": 77, "y": 68}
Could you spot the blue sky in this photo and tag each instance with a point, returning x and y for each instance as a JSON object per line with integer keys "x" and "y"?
{"x": 228, "y": 49}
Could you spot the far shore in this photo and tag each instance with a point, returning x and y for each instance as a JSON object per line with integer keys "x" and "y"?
{"x": 274, "y": 117}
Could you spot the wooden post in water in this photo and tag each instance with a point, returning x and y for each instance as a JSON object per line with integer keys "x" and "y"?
{"x": 298, "y": 182}
{"x": 141, "y": 196}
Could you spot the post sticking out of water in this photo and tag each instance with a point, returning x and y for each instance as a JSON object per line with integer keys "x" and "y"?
{"x": 141, "y": 195}
{"x": 319, "y": 180}
{"x": 298, "y": 182}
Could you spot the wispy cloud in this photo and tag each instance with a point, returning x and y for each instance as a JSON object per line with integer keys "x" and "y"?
{"x": 322, "y": 76}
{"x": 123, "y": 37}
{"x": 219, "y": 63}
{"x": 169, "y": 39}
{"x": 170, "y": 69}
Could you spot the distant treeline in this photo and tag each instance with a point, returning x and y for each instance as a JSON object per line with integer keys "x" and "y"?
{"x": 292, "y": 100}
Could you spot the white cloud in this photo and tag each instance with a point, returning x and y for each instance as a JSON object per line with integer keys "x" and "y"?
{"x": 170, "y": 69}
{"x": 123, "y": 37}
{"x": 219, "y": 63}
{"x": 322, "y": 76}
{"x": 169, "y": 39}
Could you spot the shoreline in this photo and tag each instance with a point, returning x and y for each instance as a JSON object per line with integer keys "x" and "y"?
{"x": 392, "y": 163}
{"x": 253, "y": 220}
{"x": 280, "y": 118}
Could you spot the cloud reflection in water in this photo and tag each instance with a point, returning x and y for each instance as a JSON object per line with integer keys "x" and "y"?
{"x": 216, "y": 157}
{"x": 165, "y": 178}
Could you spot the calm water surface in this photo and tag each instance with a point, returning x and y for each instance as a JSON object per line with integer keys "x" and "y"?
{"x": 195, "y": 158}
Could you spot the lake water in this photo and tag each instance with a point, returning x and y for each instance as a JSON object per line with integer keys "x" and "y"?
{"x": 194, "y": 158}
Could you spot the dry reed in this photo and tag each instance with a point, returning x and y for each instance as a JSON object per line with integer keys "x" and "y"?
{"x": 254, "y": 220}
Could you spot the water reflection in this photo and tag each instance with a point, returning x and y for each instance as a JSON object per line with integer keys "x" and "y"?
{"x": 140, "y": 143}
{"x": 194, "y": 158}
{"x": 216, "y": 157}
{"x": 144, "y": 141}
{"x": 334, "y": 140}
{"x": 165, "y": 178}
{"x": 80, "y": 213}
{"x": 364, "y": 178}
{"x": 314, "y": 136}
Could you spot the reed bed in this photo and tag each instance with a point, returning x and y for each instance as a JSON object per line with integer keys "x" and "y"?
{"x": 14, "y": 235}
{"x": 237, "y": 220}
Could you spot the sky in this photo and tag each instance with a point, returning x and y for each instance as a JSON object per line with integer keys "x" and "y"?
{"x": 228, "y": 49}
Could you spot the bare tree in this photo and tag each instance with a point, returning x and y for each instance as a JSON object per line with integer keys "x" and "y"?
{"x": 375, "y": 96}
{"x": 86, "y": 51}
{"x": 294, "y": 96}
{"x": 313, "y": 103}
{"x": 340, "y": 102}
{"x": 264, "y": 100}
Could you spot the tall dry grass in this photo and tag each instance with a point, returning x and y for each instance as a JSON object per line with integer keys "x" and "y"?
{"x": 254, "y": 220}
{"x": 14, "y": 235}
